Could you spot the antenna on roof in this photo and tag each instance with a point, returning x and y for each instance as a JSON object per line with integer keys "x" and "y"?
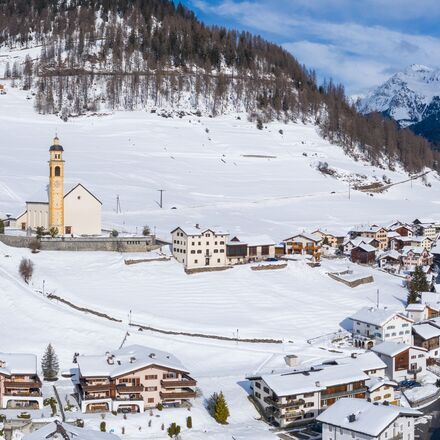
{"x": 118, "y": 205}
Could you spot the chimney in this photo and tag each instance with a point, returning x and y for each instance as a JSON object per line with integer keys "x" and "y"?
{"x": 197, "y": 226}
{"x": 318, "y": 383}
{"x": 354, "y": 355}
{"x": 132, "y": 359}
{"x": 110, "y": 360}
{"x": 352, "y": 418}
{"x": 152, "y": 355}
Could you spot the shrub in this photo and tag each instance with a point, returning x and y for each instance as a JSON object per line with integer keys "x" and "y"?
{"x": 173, "y": 430}
{"x": 102, "y": 426}
{"x": 34, "y": 246}
{"x": 115, "y": 233}
{"x": 2, "y": 226}
{"x": 189, "y": 423}
{"x": 40, "y": 231}
{"x": 218, "y": 408}
{"x": 50, "y": 401}
{"x": 159, "y": 407}
{"x": 146, "y": 231}
{"x": 259, "y": 124}
{"x": 26, "y": 269}
{"x": 53, "y": 232}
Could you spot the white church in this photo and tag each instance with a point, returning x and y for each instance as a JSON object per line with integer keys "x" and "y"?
{"x": 75, "y": 212}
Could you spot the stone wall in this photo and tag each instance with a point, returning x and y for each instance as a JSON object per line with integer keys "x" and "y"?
{"x": 109, "y": 244}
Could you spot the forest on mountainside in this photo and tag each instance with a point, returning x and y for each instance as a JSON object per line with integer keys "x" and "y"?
{"x": 147, "y": 54}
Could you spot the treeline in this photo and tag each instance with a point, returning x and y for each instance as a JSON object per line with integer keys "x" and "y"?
{"x": 133, "y": 54}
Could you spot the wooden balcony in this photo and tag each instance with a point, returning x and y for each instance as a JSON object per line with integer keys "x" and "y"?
{"x": 182, "y": 383}
{"x": 122, "y": 388}
{"x": 343, "y": 393}
{"x": 23, "y": 384}
{"x": 289, "y": 404}
{"x": 98, "y": 388}
{"x": 178, "y": 395}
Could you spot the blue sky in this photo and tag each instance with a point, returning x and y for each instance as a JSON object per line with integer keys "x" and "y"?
{"x": 359, "y": 43}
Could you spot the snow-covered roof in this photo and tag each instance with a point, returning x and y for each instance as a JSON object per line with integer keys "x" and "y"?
{"x": 307, "y": 236}
{"x": 431, "y": 299}
{"x": 426, "y": 331}
{"x": 366, "y": 247}
{"x": 416, "y": 250}
{"x": 374, "y": 316}
{"x": 313, "y": 380}
{"x": 368, "y": 418}
{"x": 18, "y": 363}
{"x": 364, "y": 361}
{"x": 257, "y": 240}
{"x": 59, "y": 430}
{"x": 359, "y": 240}
{"x": 415, "y": 307}
{"x": 124, "y": 360}
{"x": 367, "y": 228}
{"x": 375, "y": 383}
{"x": 390, "y": 254}
{"x": 194, "y": 230}
{"x": 390, "y": 348}
{"x": 331, "y": 232}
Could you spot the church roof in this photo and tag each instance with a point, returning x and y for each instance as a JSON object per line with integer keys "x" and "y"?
{"x": 42, "y": 197}
{"x": 82, "y": 186}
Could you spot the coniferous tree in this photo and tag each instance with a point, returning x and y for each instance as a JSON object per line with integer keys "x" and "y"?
{"x": 49, "y": 364}
{"x": 174, "y": 430}
{"x": 417, "y": 284}
{"x": 221, "y": 410}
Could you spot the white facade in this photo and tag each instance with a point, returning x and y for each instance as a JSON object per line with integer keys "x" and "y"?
{"x": 350, "y": 419}
{"x": 199, "y": 249}
{"x": 381, "y": 325}
{"x": 82, "y": 212}
{"x": 37, "y": 214}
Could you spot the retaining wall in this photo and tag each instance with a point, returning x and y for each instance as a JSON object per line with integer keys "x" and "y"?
{"x": 106, "y": 244}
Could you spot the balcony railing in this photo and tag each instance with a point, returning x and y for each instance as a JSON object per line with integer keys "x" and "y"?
{"x": 279, "y": 404}
{"x": 23, "y": 384}
{"x": 178, "y": 395}
{"x": 415, "y": 370}
{"x": 99, "y": 388}
{"x": 129, "y": 398}
{"x": 178, "y": 383}
{"x": 343, "y": 393}
{"x": 23, "y": 393}
{"x": 122, "y": 388}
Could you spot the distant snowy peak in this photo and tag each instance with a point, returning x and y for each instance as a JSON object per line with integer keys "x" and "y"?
{"x": 406, "y": 96}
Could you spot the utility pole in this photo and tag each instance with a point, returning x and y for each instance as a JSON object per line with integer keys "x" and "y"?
{"x": 377, "y": 302}
{"x": 349, "y": 188}
{"x": 118, "y": 205}
{"x": 44, "y": 282}
{"x": 161, "y": 197}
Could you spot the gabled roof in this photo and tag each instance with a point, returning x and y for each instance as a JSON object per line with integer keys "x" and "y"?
{"x": 307, "y": 236}
{"x": 426, "y": 331}
{"x": 258, "y": 240}
{"x": 312, "y": 380}
{"x": 18, "y": 363}
{"x": 126, "y": 360}
{"x": 198, "y": 231}
{"x": 83, "y": 187}
{"x": 369, "y": 419}
{"x": 59, "y": 430}
{"x": 391, "y": 349}
{"x": 375, "y": 383}
{"x": 359, "y": 240}
{"x": 415, "y": 250}
{"x": 390, "y": 254}
{"x": 364, "y": 361}
{"x": 367, "y": 228}
{"x": 416, "y": 307}
{"x": 378, "y": 317}
{"x": 365, "y": 247}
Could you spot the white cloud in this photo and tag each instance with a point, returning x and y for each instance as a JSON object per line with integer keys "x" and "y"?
{"x": 357, "y": 54}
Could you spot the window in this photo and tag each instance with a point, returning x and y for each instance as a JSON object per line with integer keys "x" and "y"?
{"x": 218, "y": 260}
{"x": 151, "y": 400}
{"x": 151, "y": 377}
{"x": 193, "y": 252}
{"x": 308, "y": 404}
{"x": 222, "y": 251}
{"x": 266, "y": 390}
{"x": 309, "y": 394}
{"x": 257, "y": 395}
{"x": 199, "y": 251}
{"x": 150, "y": 388}
{"x": 215, "y": 251}
{"x": 169, "y": 375}
{"x": 413, "y": 356}
{"x": 258, "y": 384}
{"x": 57, "y": 171}
{"x": 421, "y": 355}
{"x": 196, "y": 261}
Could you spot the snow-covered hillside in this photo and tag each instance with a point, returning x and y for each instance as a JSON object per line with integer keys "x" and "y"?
{"x": 217, "y": 172}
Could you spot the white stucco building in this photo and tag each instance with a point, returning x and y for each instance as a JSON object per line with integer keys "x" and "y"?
{"x": 372, "y": 325}
{"x": 351, "y": 419}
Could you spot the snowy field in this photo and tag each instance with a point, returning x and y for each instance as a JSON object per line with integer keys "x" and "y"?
{"x": 201, "y": 164}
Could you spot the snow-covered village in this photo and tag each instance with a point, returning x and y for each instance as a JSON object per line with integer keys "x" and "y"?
{"x": 202, "y": 238}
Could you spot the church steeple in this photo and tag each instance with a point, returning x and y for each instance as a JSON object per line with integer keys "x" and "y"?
{"x": 56, "y": 186}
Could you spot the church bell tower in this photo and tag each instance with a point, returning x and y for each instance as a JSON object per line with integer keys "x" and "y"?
{"x": 56, "y": 186}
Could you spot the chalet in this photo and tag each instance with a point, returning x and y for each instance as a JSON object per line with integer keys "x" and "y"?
{"x": 403, "y": 361}
{"x": 427, "y": 335}
{"x": 352, "y": 243}
{"x": 374, "y": 325}
{"x": 363, "y": 254}
{"x": 368, "y": 362}
{"x": 360, "y": 419}
{"x": 20, "y": 386}
{"x": 299, "y": 396}
{"x": 402, "y": 229}
{"x": 417, "y": 312}
{"x": 249, "y": 249}
{"x": 425, "y": 227}
{"x": 382, "y": 389}
{"x": 198, "y": 248}
{"x": 331, "y": 238}
{"x": 57, "y": 430}
{"x": 377, "y": 232}
{"x": 132, "y": 379}
{"x": 397, "y": 243}
{"x": 413, "y": 257}
{"x": 303, "y": 244}
{"x": 390, "y": 261}
{"x": 432, "y": 302}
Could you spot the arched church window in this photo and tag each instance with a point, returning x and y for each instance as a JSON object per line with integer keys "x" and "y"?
{"x": 57, "y": 171}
